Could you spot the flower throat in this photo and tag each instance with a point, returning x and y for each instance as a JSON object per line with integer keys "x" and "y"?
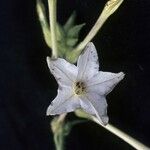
{"x": 79, "y": 88}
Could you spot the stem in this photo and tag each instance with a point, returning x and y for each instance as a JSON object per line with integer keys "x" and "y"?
{"x": 62, "y": 117}
{"x": 130, "y": 140}
{"x": 57, "y": 126}
{"x": 59, "y": 141}
{"x": 110, "y": 7}
{"x": 91, "y": 34}
{"x": 52, "y": 21}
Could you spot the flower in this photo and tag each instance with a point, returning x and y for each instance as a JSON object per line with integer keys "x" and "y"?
{"x": 82, "y": 86}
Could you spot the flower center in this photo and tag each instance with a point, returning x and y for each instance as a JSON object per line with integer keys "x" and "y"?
{"x": 79, "y": 88}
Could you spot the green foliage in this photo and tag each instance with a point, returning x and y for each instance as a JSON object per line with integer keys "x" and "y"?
{"x": 70, "y": 22}
{"x": 67, "y": 34}
{"x": 61, "y": 129}
{"x": 43, "y": 21}
{"x": 73, "y": 32}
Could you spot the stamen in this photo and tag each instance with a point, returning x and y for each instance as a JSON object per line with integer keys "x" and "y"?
{"x": 79, "y": 88}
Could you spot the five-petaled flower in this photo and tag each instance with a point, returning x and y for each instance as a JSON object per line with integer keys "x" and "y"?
{"x": 82, "y": 86}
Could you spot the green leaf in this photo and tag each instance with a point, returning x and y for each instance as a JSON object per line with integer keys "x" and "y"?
{"x": 71, "y": 41}
{"x": 69, "y": 125}
{"x": 60, "y": 33}
{"x": 74, "y": 31}
{"x": 70, "y": 21}
{"x": 47, "y": 36}
{"x": 43, "y": 21}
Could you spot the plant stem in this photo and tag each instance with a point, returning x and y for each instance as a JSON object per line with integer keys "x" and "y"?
{"x": 57, "y": 126}
{"x": 91, "y": 34}
{"x": 52, "y": 4}
{"x": 110, "y": 7}
{"x": 130, "y": 140}
{"x": 59, "y": 141}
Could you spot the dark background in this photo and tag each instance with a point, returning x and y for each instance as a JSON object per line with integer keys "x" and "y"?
{"x": 27, "y": 87}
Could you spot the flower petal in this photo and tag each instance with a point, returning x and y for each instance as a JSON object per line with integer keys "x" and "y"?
{"x": 88, "y": 63}
{"x": 64, "y": 102}
{"x": 64, "y": 72}
{"x": 96, "y": 105}
{"x": 104, "y": 82}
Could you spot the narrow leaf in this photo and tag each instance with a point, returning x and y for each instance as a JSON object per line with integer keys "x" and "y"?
{"x": 70, "y": 21}
{"x": 74, "y": 31}
{"x": 60, "y": 33}
{"x": 43, "y": 21}
{"x": 71, "y": 41}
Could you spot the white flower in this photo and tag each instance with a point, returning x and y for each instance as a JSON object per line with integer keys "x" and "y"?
{"x": 82, "y": 86}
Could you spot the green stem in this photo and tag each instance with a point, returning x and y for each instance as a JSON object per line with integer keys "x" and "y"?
{"x": 91, "y": 34}
{"x": 57, "y": 126}
{"x": 59, "y": 141}
{"x": 130, "y": 140}
{"x": 52, "y": 4}
{"x": 110, "y": 7}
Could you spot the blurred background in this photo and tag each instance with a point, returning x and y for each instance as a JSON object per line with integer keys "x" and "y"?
{"x": 27, "y": 87}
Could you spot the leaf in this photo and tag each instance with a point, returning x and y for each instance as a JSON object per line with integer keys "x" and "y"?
{"x": 70, "y": 22}
{"x": 69, "y": 125}
{"x": 47, "y": 36}
{"x": 74, "y": 31}
{"x": 43, "y": 21}
{"x": 71, "y": 41}
{"x": 60, "y": 33}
